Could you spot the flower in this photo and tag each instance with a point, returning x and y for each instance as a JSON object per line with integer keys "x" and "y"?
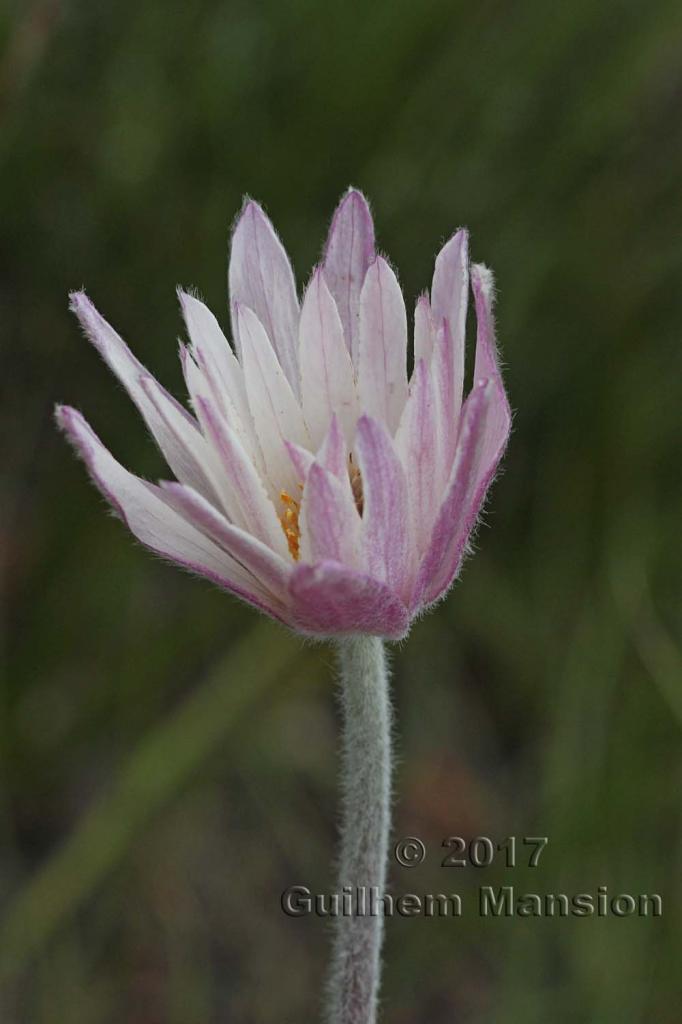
{"x": 314, "y": 480}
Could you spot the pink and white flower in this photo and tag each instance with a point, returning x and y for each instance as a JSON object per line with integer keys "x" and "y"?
{"x": 314, "y": 479}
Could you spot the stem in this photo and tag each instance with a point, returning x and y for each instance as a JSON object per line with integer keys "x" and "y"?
{"x": 366, "y": 786}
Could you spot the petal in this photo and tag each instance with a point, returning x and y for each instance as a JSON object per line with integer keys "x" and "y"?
{"x": 199, "y": 387}
{"x": 301, "y": 460}
{"x": 270, "y": 569}
{"x": 486, "y": 365}
{"x": 327, "y": 382}
{"x": 385, "y": 517}
{"x": 449, "y": 297}
{"x": 417, "y": 443}
{"x": 330, "y": 523}
{"x": 483, "y": 287}
{"x": 424, "y": 330}
{"x": 333, "y": 452}
{"x": 479, "y": 449}
{"x": 382, "y": 375}
{"x": 220, "y": 366}
{"x": 260, "y": 277}
{"x": 149, "y": 517}
{"x": 243, "y": 491}
{"x": 328, "y": 599}
{"x": 348, "y": 254}
{"x": 273, "y": 405}
{"x": 447, "y": 397}
{"x": 167, "y": 419}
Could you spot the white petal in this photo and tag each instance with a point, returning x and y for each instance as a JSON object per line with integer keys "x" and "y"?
{"x": 417, "y": 442}
{"x": 270, "y": 569}
{"x": 192, "y": 460}
{"x": 449, "y": 299}
{"x": 175, "y": 431}
{"x": 327, "y": 383}
{"x": 244, "y": 495}
{"x": 348, "y": 253}
{"x": 150, "y": 518}
{"x": 260, "y": 277}
{"x": 221, "y": 368}
{"x": 273, "y": 405}
{"x": 424, "y": 330}
{"x": 382, "y": 381}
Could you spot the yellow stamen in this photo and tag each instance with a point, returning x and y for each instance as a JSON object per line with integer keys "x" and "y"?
{"x": 289, "y": 521}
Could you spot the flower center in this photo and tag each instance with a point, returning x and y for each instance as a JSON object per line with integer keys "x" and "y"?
{"x": 290, "y": 525}
{"x": 355, "y": 482}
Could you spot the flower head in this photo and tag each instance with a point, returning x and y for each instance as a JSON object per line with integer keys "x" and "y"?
{"x": 313, "y": 479}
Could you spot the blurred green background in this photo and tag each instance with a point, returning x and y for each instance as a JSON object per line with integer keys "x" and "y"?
{"x": 165, "y": 771}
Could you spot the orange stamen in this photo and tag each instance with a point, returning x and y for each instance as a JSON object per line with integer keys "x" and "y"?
{"x": 290, "y": 525}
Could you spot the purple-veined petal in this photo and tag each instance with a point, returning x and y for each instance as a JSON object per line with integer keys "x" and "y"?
{"x": 220, "y": 366}
{"x": 417, "y": 442}
{"x": 260, "y": 277}
{"x": 348, "y": 254}
{"x": 151, "y": 519}
{"x": 273, "y": 405}
{"x": 385, "y": 516}
{"x": 447, "y": 397}
{"x": 483, "y": 287}
{"x": 382, "y": 374}
{"x": 199, "y": 387}
{"x": 329, "y": 520}
{"x": 327, "y": 382}
{"x": 167, "y": 419}
{"x": 193, "y": 462}
{"x": 301, "y": 460}
{"x": 486, "y": 364}
{"x": 449, "y": 300}
{"x": 332, "y": 454}
{"x": 479, "y": 449}
{"x": 424, "y": 330}
{"x": 270, "y": 569}
{"x": 243, "y": 492}
{"x": 329, "y": 599}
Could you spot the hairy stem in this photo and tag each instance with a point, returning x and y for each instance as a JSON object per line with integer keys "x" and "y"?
{"x": 366, "y": 786}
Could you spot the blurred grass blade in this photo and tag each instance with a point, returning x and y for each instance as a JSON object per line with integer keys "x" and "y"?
{"x": 162, "y": 763}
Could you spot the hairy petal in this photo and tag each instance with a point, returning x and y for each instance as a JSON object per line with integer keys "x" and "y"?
{"x": 260, "y": 277}
{"x": 220, "y": 367}
{"x": 330, "y": 523}
{"x": 329, "y": 599}
{"x": 449, "y": 299}
{"x": 327, "y": 382}
{"x": 274, "y": 406}
{"x": 243, "y": 492}
{"x": 424, "y": 330}
{"x": 155, "y": 523}
{"x": 417, "y": 443}
{"x": 348, "y": 254}
{"x": 332, "y": 454}
{"x": 271, "y": 569}
{"x": 192, "y": 457}
{"x": 447, "y": 398}
{"x": 166, "y": 419}
{"x": 382, "y": 375}
{"x": 385, "y": 517}
{"x": 479, "y": 449}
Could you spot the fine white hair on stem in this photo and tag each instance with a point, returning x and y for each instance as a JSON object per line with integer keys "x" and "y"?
{"x": 365, "y": 822}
